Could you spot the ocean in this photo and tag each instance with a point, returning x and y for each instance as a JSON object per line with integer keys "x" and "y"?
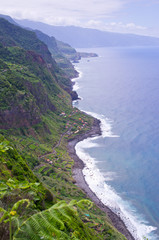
{"x": 121, "y": 88}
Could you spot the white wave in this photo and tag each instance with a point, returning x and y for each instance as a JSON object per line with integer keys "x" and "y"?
{"x": 97, "y": 183}
{"x": 80, "y": 74}
{"x": 79, "y": 71}
{"x": 106, "y": 124}
{"x": 89, "y": 142}
{"x": 75, "y": 80}
{"x": 75, "y": 86}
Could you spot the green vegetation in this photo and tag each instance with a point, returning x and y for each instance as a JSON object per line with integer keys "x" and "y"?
{"x": 69, "y": 52}
{"x": 62, "y": 53}
{"x": 10, "y": 216}
{"x": 61, "y": 221}
{"x": 36, "y": 122}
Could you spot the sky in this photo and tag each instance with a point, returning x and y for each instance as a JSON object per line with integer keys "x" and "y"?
{"x": 124, "y": 16}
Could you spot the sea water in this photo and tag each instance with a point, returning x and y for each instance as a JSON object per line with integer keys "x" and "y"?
{"x": 121, "y": 88}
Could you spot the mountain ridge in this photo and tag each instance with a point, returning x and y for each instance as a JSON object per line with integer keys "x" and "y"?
{"x": 90, "y": 38}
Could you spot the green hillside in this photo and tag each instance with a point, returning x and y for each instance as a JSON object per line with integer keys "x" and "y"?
{"x": 61, "y": 52}
{"x": 38, "y": 195}
{"x": 12, "y": 35}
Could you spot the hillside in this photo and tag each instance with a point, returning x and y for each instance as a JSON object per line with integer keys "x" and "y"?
{"x": 79, "y": 37}
{"x": 9, "y": 19}
{"x": 10, "y": 36}
{"x": 62, "y": 53}
{"x": 38, "y": 195}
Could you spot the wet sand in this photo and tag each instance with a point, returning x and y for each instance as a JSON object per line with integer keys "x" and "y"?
{"x": 80, "y": 181}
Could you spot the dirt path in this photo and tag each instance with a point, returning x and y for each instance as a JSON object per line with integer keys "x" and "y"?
{"x": 57, "y": 145}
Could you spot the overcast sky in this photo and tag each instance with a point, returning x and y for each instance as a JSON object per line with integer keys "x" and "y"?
{"x": 126, "y": 16}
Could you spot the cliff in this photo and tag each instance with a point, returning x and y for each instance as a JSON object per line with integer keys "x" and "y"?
{"x": 59, "y": 53}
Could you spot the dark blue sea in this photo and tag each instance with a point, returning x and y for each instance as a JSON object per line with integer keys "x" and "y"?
{"x": 121, "y": 88}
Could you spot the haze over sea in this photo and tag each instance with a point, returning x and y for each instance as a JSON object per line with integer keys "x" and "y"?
{"x": 121, "y": 87}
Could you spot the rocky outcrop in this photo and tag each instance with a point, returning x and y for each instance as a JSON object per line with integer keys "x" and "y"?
{"x": 36, "y": 57}
{"x": 74, "y": 95}
{"x": 18, "y": 117}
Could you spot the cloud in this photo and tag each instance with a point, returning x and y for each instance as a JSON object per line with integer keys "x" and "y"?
{"x": 116, "y": 26}
{"x": 53, "y": 10}
{"x": 99, "y": 14}
{"x": 134, "y": 26}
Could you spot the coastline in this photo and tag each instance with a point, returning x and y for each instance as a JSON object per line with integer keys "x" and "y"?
{"x": 78, "y": 176}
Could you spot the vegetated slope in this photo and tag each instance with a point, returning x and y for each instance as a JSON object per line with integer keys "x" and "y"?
{"x": 63, "y": 53}
{"x": 60, "y": 53}
{"x": 36, "y": 120}
{"x": 18, "y": 182}
{"x": 32, "y": 68}
{"x": 57, "y": 52}
{"x": 79, "y": 37}
{"x": 28, "y": 88}
{"x": 9, "y": 19}
{"x": 79, "y": 219}
{"x": 11, "y": 35}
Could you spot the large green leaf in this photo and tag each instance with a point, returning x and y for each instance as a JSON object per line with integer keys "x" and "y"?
{"x": 61, "y": 221}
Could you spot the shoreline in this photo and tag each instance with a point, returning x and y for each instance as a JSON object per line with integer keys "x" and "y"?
{"x": 78, "y": 176}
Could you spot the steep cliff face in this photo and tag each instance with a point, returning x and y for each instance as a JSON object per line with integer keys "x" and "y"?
{"x": 62, "y": 53}
{"x": 41, "y": 97}
{"x": 45, "y": 46}
{"x": 24, "y": 94}
{"x": 30, "y": 78}
{"x": 12, "y": 35}
{"x": 18, "y": 116}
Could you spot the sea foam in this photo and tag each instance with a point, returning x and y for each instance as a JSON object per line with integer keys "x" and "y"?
{"x": 75, "y": 80}
{"x": 98, "y": 183}
{"x": 106, "y": 124}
